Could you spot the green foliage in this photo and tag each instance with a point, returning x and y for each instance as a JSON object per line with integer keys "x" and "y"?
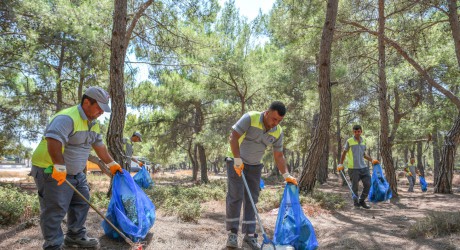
{"x": 326, "y": 200}
{"x": 100, "y": 200}
{"x": 16, "y": 205}
{"x": 185, "y": 201}
{"x": 436, "y": 224}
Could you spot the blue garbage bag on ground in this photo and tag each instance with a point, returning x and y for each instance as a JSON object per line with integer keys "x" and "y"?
{"x": 130, "y": 209}
{"x": 380, "y": 188}
{"x": 262, "y": 184}
{"x": 143, "y": 179}
{"x": 292, "y": 226}
{"x": 423, "y": 183}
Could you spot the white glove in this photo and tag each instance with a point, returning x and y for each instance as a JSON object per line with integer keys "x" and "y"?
{"x": 237, "y": 161}
{"x": 288, "y": 178}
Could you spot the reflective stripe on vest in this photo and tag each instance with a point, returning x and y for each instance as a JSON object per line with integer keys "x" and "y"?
{"x": 255, "y": 122}
{"x": 41, "y": 157}
{"x": 353, "y": 143}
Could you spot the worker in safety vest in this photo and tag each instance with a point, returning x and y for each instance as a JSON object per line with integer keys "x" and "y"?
{"x": 61, "y": 156}
{"x": 411, "y": 170}
{"x": 249, "y": 138}
{"x": 355, "y": 150}
{"x": 128, "y": 143}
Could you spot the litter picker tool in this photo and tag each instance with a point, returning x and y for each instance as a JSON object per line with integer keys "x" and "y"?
{"x": 349, "y": 186}
{"x": 134, "y": 246}
{"x": 264, "y": 235}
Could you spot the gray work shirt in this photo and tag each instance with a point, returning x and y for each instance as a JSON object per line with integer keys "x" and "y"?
{"x": 256, "y": 140}
{"x": 358, "y": 150}
{"x": 128, "y": 149}
{"x": 77, "y": 146}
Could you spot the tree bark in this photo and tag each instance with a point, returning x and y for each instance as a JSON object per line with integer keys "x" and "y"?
{"x": 319, "y": 142}
{"x": 203, "y": 164}
{"x": 446, "y": 166}
{"x": 455, "y": 27}
{"x": 385, "y": 144}
{"x": 116, "y": 87}
{"x": 420, "y": 157}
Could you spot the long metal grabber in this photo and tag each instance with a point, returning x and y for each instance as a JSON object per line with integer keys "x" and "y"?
{"x": 266, "y": 239}
{"x": 128, "y": 240}
{"x": 349, "y": 186}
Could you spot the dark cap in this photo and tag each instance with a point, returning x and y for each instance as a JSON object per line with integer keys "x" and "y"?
{"x": 101, "y": 96}
{"x": 138, "y": 135}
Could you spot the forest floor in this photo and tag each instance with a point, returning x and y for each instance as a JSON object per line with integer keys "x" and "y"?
{"x": 384, "y": 226}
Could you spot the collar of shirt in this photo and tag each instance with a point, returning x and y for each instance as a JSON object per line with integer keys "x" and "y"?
{"x": 83, "y": 115}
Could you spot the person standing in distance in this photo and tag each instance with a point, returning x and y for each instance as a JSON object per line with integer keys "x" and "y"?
{"x": 249, "y": 138}
{"x": 61, "y": 155}
{"x": 355, "y": 149}
{"x": 136, "y": 137}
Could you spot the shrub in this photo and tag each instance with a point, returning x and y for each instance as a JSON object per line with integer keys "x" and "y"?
{"x": 189, "y": 212}
{"x": 100, "y": 199}
{"x": 326, "y": 200}
{"x": 185, "y": 201}
{"x": 436, "y": 224}
{"x": 16, "y": 205}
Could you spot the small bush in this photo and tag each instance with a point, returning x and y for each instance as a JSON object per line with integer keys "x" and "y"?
{"x": 100, "y": 200}
{"x": 329, "y": 201}
{"x": 189, "y": 212}
{"x": 436, "y": 224}
{"x": 16, "y": 205}
{"x": 269, "y": 199}
{"x": 185, "y": 201}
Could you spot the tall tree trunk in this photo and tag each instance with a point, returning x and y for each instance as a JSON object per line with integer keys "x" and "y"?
{"x": 385, "y": 148}
{"x": 192, "y": 156}
{"x": 455, "y": 27}
{"x": 446, "y": 166}
{"x": 319, "y": 142}
{"x": 81, "y": 81}
{"x": 59, "y": 98}
{"x": 420, "y": 157}
{"x": 116, "y": 87}
{"x": 203, "y": 164}
{"x": 436, "y": 154}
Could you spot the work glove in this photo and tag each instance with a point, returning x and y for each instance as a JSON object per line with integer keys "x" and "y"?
{"x": 141, "y": 164}
{"x": 59, "y": 173}
{"x": 238, "y": 166}
{"x": 409, "y": 174}
{"x": 114, "y": 167}
{"x": 289, "y": 179}
{"x": 340, "y": 167}
{"x": 375, "y": 162}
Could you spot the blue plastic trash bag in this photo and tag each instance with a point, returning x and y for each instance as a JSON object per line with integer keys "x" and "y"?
{"x": 380, "y": 189}
{"x": 130, "y": 209}
{"x": 423, "y": 183}
{"x": 143, "y": 179}
{"x": 262, "y": 184}
{"x": 292, "y": 226}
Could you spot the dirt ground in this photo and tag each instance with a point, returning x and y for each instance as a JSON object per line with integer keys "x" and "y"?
{"x": 384, "y": 226}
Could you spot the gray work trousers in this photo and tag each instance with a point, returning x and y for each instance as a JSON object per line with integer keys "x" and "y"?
{"x": 237, "y": 195}
{"x": 57, "y": 201}
{"x": 363, "y": 175}
{"x": 411, "y": 180}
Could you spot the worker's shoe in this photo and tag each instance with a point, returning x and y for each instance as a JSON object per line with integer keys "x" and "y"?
{"x": 364, "y": 205}
{"x": 232, "y": 240}
{"x": 356, "y": 203}
{"x": 250, "y": 242}
{"x": 84, "y": 242}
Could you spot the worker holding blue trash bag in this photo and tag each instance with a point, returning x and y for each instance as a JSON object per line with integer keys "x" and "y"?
{"x": 249, "y": 137}
{"x": 411, "y": 172}
{"x": 129, "y": 151}
{"x": 61, "y": 157}
{"x": 355, "y": 150}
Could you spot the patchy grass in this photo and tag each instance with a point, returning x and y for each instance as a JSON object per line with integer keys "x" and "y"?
{"x": 436, "y": 224}
{"x": 16, "y": 205}
{"x": 184, "y": 200}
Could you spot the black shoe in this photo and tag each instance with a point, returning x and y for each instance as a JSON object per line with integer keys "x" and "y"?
{"x": 356, "y": 204}
{"x": 364, "y": 205}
